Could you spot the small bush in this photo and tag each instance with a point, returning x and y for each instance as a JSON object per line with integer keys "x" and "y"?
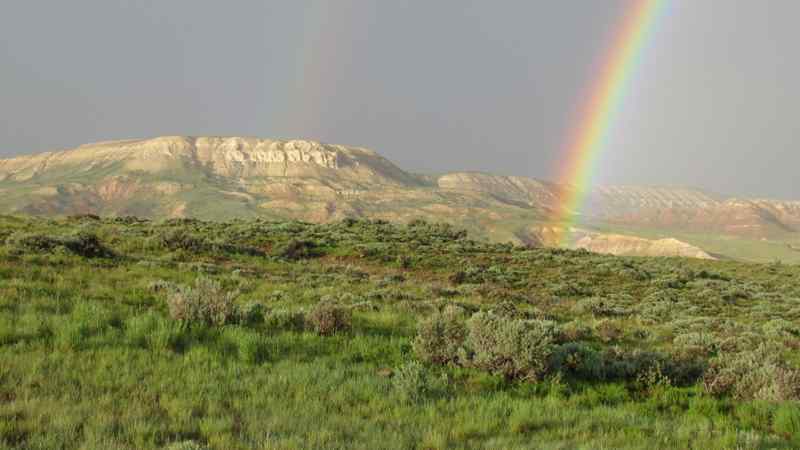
{"x": 458, "y": 277}
{"x": 405, "y": 262}
{"x": 695, "y": 344}
{"x": 608, "y": 330}
{"x": 297, "y": 249}
{"x": 251, "y": 314}
{"x": 577, "y": 360}
{"x": 516, "y": 349}
{"x": 87, "y": 245}
{"x": 508, "y": 310}
{"x": 175, "y": 240}
{"x": 412, "y": 381}
{"x": 157, "y": 286}
{"x": 440, "y": 336}
{"x": 282, "y": 319}
{"x": 329, "y": 317}
{"x": 206, "y": 302}
{"x": 574, "y": 331}
{"x": 653, "y": 380}
{"x": 632, "y": 365}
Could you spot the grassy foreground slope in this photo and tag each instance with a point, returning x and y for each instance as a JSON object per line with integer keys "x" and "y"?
{"x": 129, "y": 334}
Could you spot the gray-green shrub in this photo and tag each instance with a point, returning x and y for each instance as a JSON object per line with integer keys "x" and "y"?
{"x": 329, "y": 317}
{"x": 758, "y": 374}
{"x": 251, "y": 314}
{"x": 205, "y": 302}
{"x": 514, "y": 348}
{"x": 284, "y": 319}
{"x": 577, "y": 360}
{"x": 441, "y": 336}
{"x": 695, "y": 344}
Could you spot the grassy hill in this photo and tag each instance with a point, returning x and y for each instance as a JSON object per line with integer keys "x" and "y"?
{"x": 255, "y": 334}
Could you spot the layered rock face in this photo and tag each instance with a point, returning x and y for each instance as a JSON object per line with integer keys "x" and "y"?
{"x": 514, "y": 189}
{"x": 646, "y": 206}
{"x": 694, "y": 211}
{"x": 231, "y": 157}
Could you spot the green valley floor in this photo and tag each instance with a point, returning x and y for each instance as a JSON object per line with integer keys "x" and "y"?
{"x": 121, "y": 333}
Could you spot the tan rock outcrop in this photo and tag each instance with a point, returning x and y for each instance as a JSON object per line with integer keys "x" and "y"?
{"x": 615, "y": 244}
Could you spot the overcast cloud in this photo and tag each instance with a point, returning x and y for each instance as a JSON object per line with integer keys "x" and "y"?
{"x": 433, "y": 85}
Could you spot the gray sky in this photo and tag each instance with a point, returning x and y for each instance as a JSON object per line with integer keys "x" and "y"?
{"x": 433, "y": 85}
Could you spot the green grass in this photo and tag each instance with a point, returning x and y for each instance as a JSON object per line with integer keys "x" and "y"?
{"x": 91, "y": 359}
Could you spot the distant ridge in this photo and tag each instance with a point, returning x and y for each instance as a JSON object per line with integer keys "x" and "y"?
{"x": 222, "y": 178}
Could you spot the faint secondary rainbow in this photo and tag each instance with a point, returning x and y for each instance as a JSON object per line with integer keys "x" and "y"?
{"x": 596, "y": 118}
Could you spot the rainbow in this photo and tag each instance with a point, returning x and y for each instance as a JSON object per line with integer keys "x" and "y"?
{"x": 596, "y": 117}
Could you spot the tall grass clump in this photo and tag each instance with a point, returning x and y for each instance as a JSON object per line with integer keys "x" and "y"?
{"x": 412, "y": 381}
{"x": 786, "y": 420}
{"x": 87, "y": 320}
{"x": 152, "y": 330}
{"x": 251, "y": 347}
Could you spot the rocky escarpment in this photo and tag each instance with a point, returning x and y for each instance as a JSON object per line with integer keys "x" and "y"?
{"x": 615, "y": 244}
{"x": 229, "y": 157}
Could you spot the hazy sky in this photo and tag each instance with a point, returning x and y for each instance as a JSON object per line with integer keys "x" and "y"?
{"x": 433, "y": 85}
